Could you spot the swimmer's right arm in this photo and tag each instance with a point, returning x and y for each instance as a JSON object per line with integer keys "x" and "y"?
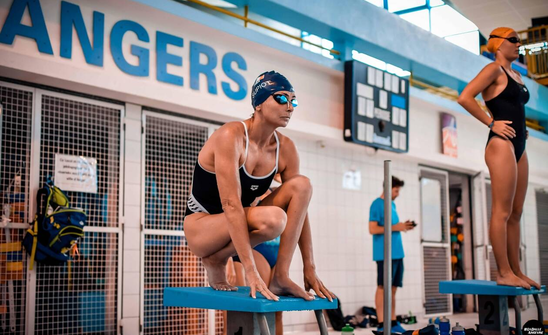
{"x": 466, "y": 99}
{"x": 226, "y": 161}
{"x": 227, "y": 155}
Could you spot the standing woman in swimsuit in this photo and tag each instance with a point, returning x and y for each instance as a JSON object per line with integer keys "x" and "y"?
{"x": 237, "y": 165}
{"x": 505, "y": 96}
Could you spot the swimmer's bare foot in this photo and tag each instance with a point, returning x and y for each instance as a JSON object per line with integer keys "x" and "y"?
{"x": 512, "y": 280}
{"x": 282, "y": 285}
{"x": 216, "y": 274}
{"x": 529, "y": 281}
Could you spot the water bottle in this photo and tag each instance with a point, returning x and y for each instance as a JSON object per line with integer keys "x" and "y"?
{"x": 347, "y": 330}
{"x": 445, "y": 326}
{"x": 434, "y": 321}
{"x": 457, "y": 330}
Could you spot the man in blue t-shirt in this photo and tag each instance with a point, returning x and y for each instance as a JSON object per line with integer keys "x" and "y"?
{"x": 376, "y": 228}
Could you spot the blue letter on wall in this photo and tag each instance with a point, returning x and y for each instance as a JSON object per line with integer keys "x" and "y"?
{"x": 37, "y": 31}
{"x": 71, "y": 15}
{"x": 163, "y": 58}
{"x": 238, "y": 78}
{"x": 196, "y": 67}
{"x": 116, "y": 38}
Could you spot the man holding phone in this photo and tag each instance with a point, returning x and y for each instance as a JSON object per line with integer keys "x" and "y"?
{"x": 376, "y": 228}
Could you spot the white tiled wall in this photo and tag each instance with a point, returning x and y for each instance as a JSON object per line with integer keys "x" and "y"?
{"x": 342, "y": 243}
{"x": 132, "y": 201}
{"x": 340, "y": 228}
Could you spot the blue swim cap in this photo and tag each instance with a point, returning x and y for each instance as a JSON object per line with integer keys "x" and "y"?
{"x": 266, "y": 84}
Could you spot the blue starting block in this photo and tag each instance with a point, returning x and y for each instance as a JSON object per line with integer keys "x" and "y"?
{"x": 246, "y": 316}
{"x": 493, "y": 302}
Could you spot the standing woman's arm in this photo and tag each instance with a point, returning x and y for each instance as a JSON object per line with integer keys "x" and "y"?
{"x": 483, "y": 80}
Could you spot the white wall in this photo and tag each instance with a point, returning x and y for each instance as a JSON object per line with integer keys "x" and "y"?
{"x": 340, "y": 227}
{"x": 339, "y": 218}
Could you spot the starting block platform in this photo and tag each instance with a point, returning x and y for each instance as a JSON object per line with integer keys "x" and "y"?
{"x": 246, "y": 316}
{"x": 493, "y": 302}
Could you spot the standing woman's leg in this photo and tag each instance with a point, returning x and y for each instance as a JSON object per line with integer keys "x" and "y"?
{"x": 500, "y": 159}
{"x": 514, "y": 220}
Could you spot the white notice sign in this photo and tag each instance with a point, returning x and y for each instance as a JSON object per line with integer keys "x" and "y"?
{"x": 352, "y": 180}
{"x": 76, "y": 173}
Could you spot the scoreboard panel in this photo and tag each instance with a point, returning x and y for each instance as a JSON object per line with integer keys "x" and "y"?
{"x": 376, "y": 108}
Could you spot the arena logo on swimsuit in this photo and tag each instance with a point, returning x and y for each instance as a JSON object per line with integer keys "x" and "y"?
{"x": 71, "y": 16}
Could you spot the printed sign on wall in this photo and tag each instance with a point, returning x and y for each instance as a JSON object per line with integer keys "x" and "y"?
{"x": 449, "y": 135}
{"x": 76, "y": 173}
{"x": 352, "y": 180}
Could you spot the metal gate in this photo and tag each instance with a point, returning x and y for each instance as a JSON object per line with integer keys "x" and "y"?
{"x": 16, "y": 106}
{"x": 81, "y": 296}
{"x": 170, "y": 150}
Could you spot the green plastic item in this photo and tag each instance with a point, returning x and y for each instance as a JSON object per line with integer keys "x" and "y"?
{"x": 412, "y": 319}
{"x": 348, "y": 330}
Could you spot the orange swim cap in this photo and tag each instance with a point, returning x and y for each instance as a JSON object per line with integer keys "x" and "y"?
{"x": 494, "y": 43}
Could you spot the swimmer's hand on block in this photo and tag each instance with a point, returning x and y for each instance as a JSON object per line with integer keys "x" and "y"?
{"x": 208, "y": 298}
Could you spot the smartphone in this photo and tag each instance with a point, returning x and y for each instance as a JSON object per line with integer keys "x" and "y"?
{"x": 413, "y": 223}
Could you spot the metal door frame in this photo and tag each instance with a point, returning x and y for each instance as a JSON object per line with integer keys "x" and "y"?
{"x": 446, "y": 245}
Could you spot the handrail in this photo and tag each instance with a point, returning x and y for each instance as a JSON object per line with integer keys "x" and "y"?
{"x": 248, "y": 20}
{"x": 445, "y": 92}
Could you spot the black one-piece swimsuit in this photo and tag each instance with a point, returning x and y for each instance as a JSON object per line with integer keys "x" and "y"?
{"x": 509, "y": 105}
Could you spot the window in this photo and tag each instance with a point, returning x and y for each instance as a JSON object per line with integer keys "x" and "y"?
{"x": 378, "y": 3}
{"x": 435, "y": 3}
{"x": 379, "y": 64}
{"x": 319, "y": 41}
{"x": 468, "y": 41}
{"x": 431, "y": 204}
{"x": 438, "y": 18}
{"x": 419, "y": 18}
{"x": 397, "y": 5}
{"x": 447, "y": 21}
{"x": 220, "y": 3}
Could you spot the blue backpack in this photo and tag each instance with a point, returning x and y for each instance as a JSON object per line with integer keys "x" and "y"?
{"x": 56, "y": 229}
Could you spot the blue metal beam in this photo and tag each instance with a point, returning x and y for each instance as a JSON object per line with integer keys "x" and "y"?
{"x": 359, "y": 25}
{"x": 383, "y": 35}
